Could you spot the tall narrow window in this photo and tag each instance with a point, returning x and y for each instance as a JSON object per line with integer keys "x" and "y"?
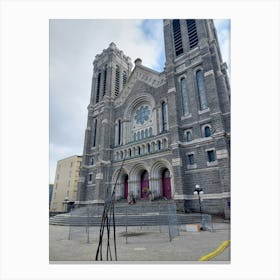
{"x": 104, "y": 81}
{"x": 191, "y": 159}
{"x": 177, "y": 37}
{"x": 117, "y": 81}
{"x": 119, "y": 132}
{"x": 211, "y": 156}
{"x": 98, "y": 87}
{"x": 192, "y": 32}
{"x": 188, "y": 136}
{"x": 183, "y": 89}
{"x": 201, "y": 90}
{"x": 164, "y": 116}
{"x": 94, "y": 133}
{"x": 207, "y": 131}
{"x": 124, "y": 78}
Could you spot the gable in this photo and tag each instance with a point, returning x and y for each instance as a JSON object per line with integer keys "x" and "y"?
{"x": 141, "y": 79}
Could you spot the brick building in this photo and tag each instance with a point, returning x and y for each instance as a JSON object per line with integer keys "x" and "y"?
{"x": 172, "y": 128}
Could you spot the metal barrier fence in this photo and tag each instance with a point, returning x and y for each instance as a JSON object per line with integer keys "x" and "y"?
{"x": 85, "y": 221}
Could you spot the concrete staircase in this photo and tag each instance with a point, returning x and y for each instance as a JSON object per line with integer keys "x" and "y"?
{"x": 140, "y": 214}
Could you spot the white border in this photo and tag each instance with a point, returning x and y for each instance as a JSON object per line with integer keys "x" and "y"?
{"x": 24, "y": 131}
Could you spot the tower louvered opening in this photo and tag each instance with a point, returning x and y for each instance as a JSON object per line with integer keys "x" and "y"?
{"x": 192, "y": 33}
{"x": 117, "y": 81}
{"x": 98, "y": 87}
{"x": 178, "y": 45}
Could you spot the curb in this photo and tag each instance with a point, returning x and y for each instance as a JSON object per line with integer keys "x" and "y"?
{"x": 216, "y": 252}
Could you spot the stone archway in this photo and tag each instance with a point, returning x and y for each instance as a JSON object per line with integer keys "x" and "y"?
{"x": 122, "y": 184}
{"x": 161, "y": 179}
{"x": 136, "y": 180}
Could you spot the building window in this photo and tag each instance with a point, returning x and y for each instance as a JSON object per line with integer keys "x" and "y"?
{"x": 178, "y": 45}
{"x": 104, "y": 80}
{"x": 159, "y": 145}
{"x": 94, "y": 133}
{"x": 201, "y": 90}
{"x": 211, "y": 155}
{"x": 184, "y": 95}
{"x": 98, "y": 87}
{"x": 192, "y": 33}
{"x": 124, "y": 78}
{"x": 92, "y": 161}
{"x": 187, "y": 136}
{"x": 190, "y": 159}
{"x": 90, "y": 177}
{"x": 150, "y": 131}
{"x": 117, "y": 81}
{"x": 207, "y": 131}
{"x": 164, "y": 116}
{"x": 119, "y": 132}
{"x": 149, "y": 148}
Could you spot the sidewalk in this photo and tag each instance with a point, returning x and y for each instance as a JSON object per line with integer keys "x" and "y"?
{"x": 146, "y": 244}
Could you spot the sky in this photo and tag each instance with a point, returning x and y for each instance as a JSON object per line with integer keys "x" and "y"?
{"x": 73, "y": 46}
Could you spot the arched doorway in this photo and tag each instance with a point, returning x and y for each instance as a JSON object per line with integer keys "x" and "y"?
{"x": 166, "y": 184}
{"x": 144, "y": 185}
{"x": 125, "y": 186}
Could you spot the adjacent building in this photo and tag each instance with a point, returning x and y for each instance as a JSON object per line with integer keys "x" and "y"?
{"x": 64, "y": 191}
{"x": 161, "y": 132}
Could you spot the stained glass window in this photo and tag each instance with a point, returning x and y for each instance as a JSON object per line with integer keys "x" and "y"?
{"x": 183, "y": 88}
{"x": 142, "y": 114}
{"x": 201, "y": 90}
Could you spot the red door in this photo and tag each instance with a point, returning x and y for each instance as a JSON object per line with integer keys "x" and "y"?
{"x": 144, "y": 185}
{"x": 125, "y": 187}
{"x": 166, "y": 184}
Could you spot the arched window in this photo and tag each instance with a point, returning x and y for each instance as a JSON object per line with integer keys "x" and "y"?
{"x": 150, "y": 131}
{"x": 159, "y": 145}
{"x": 187, "y": 136}
{"x": 201, "y": 90}
{"x": 119, "y": 132}
{"x": 139, "y": 151}
{"x": 184, "y": 95}
{"x": 94, "y": 133}
{"x": 124, "y": 78}
{"x": 149, "y": 148}
{"x": 104, "y": 80}
{"x": 207, "y": 131}
{"x": 98, "y": 87}
{"x": 178, "y": 45}
{"x": 92, "y": 161}
{"x": 164, "y": 116}
{"x": 146, "y": 133}
{"x": 117, "y": 81}
{"x": 192, "y": 32}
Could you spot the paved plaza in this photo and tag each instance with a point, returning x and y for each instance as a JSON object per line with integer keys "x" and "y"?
{"x": 140, "y": 245}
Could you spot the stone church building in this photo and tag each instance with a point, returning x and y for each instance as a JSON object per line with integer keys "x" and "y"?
{"x": 170, "y": 130}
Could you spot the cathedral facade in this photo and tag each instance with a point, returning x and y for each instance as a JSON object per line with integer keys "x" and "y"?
{"x": 161, "y": 133}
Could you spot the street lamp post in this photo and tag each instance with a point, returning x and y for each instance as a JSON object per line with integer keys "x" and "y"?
{"x": 198, "y": 191}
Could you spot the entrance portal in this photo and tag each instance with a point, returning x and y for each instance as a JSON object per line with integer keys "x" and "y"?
{"x": 166, "y": 184}
{"x": 144, "y": 185}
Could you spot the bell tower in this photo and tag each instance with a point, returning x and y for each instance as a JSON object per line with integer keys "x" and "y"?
{"x": 111, "y": 70}
{"x": 199, "y": 91}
